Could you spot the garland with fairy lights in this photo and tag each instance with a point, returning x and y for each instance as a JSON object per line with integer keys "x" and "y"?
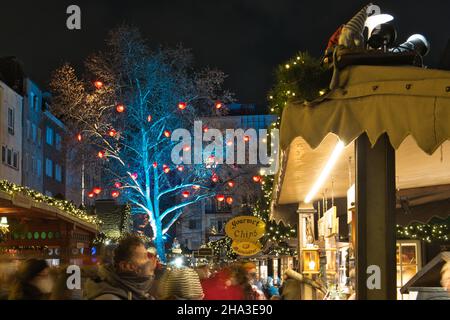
{"x": 64, "y": 205}
{"x": 300, "y": 79}
{"x": 439, "y": 232}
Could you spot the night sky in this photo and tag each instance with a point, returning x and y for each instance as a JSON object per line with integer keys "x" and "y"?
{"x": 244, "y": 38}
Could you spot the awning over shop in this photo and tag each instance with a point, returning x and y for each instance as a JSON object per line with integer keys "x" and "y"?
{"x": 410, "y": 104}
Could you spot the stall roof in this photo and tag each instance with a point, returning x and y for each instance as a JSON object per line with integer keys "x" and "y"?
{"x": 411, "y": 105}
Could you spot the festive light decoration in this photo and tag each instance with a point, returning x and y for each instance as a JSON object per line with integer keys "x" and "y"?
{"x": 218, "y": 105}
{"x": 182, "y": 105}
{"x": 91, "y": 195}
{"x": 438, "y": 231}
{"x": 187, "y": 148}
{"x": 112, "y": 133}
{"x": 256, "y": 179}
{"x": 155, "y": 164}
{"x": 229, "y": 200}
{"x": 98, "y": 84}
{"x": 205, "y": 129}
{"x": 220, "y": 197}
{"x": 79, "y": 137}
{"x": 134, "y": 176}
{"x": 101, "y": 154}
{"x": 166, "y": 169}
{"x": 180, "y": 168}
{"x": 97, "y": 190}
{"x": 149, "y": 118}
{"x": 185, "y": 194}
{"x": 246, "y": 138}
{"x": 231, "y": 184}
{"x": 196, "y": 187}
{"x": 167, "y": 133}
{"x": 120, "y": 108}
{"x": 215, "y": 178}
{"x": 115, "y": 193}
{"x": 118, "y": 185}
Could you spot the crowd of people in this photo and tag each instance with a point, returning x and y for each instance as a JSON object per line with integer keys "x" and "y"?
{"x": 136, "y": 274}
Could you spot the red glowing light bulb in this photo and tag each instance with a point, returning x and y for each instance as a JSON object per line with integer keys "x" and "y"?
{"x": 91, "y": 194}
{"x": 120, "y": 108}
{"x": 167, "y": 133}
{"x": 101, "y": 154}
{"x": 97, "y": 190}
{"x": 256, "y": 178}
{"x": 182, "y": 105}
{"x": 231, "y": 184}
{"x": 117, "y": 185}
{"x": 180, "y": 168}
{"x": 219, "y": 105}
{"x": 229, "y": 200}
{"x": 149, "y": 118}
{"x": 115, "y": 194}
{"x": 186, "y": 194}
{"x": 220, "y": 197}
{"x": 98, "y": 84}
{"x": 134, "y": 176}
{"x": 112, "y": 133}
{"x": 79, "y": 137}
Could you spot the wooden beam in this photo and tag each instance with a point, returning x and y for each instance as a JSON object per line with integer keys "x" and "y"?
{"x": 375, "y": 218}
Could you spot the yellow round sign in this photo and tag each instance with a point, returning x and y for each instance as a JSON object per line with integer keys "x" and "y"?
{"x": 245, "y": 228}
{"x": 246, "y": 248}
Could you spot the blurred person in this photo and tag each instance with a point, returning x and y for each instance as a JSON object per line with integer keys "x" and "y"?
{"x": 253, "y": 278}
{"x": 291, "y": 287}
{"x": 271, "y": 289}
{"x": 60, "y": 289}
{"x": 130, "y": 277}
{"x": 203, "y": 271}
{"x": 445, "y": 276}
{"x": 32, "y": 281}
{"x": 222, "y": 286}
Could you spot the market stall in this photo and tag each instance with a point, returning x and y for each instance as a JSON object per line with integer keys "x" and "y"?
{"x": 378, "y": 137}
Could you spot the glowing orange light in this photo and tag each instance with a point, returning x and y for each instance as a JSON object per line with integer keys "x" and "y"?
{"x": 229, "y": 200}
{"x": 97, "y": 190}
{"x": 155, "y": 164}
{"x": 214, "y": 178}
{"x": 231, "y": 184}
{"x": 180, "y": 168}
{"x": 220, "y": 197}
{"x": 186, "y": 148}
{"x": 219, "y": 105}
{"x": 117, "y": 185}
{"x": 134, "y": 176}
{"x": 256, "y": 178}
{"x": 149, "y": 118}
{"x": 229, "y": 143}
{"x": 246, "y": 138}
{"x": 91, "y": 194}
{"x": 167, "y": 133}
{"x": 205, "y": 129}
{"x": 112, "y": 133}
{"x": 120, "y": 108}
{"x": 166, "y": 169}
{"x": 79, "y": 137}
{"x": 98, "y": 84}
{"x": 196, "y": 187}
{"x": 182, "y": 105}
{"x": 101, "y": 154}
{"x": 115, "y": 194}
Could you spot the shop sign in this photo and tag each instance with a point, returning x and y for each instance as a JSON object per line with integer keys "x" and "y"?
{"x": 245, "y": 229}
{"x": 246, "y": 248}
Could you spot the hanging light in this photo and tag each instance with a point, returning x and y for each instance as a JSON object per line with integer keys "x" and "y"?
{"x": 231, "y": 183}
{"x": 180, "y": 168}
{"x": 182, "y": 105}
{"x": 219, "y": 105}
{"x": 155, "y": 164}
{"x": 196, "y": 187}
{"x": 79, "y": 137}
{"x": 220, "y": 197}
{"x": 112, "y": 133}
{"x": 115, "y": 194}
{"x": 134, "y": 176}
{"x": 91, "y": 195}
{"x": 149, "y": 118}
{"x": 185, "y": 194}
{"x": 375, "y": 20}
{"x": 246, "y": 138}
{"x": 98, "y": 84}
{"x": 205, "y": 129}
{"x": 215, "y": 178}
{"x": 230, "y": 200}
{"x": 101, "y": 154}
{"x": 117, "y": 185}
{"x": 120, "y": 108}
{"x": 256, "y": 178}
{"x": 166, "y": 169}
{"x": 167, "y": 133}
{"x": 97, "y": 190}
{"x": 4, "y": 222}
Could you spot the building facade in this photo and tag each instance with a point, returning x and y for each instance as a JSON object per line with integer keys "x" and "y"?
{"x": 10, "y": 134}
{"x": 205, "y": 221}
{"x": 32, "y": 138}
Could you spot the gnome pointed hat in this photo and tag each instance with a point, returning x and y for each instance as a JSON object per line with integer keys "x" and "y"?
{"x": 357, "y": 23}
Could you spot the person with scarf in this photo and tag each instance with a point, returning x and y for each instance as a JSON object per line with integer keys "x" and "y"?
{"x": 130, "y": 277}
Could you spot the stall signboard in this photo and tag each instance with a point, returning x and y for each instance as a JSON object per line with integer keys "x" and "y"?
{"x": 246, "y": 248}
{"x": 245, "y": 229}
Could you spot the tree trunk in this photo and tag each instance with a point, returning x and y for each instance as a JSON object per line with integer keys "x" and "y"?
{"x": 159, "y": 242}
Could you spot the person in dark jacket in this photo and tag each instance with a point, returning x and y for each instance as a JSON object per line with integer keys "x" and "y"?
{"x": 33, "y": 281}
{"x": 129, "y": 278}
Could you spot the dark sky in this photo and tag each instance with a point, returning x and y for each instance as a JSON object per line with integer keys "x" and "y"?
{"x": 244, "y": 38}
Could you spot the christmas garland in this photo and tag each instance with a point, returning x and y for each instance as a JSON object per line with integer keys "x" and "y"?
{"x": 438, "y": 231}
{"x": 64, "y": 205}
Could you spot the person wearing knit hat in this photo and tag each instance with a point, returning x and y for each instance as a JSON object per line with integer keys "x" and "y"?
{"x": 352, "y": 33}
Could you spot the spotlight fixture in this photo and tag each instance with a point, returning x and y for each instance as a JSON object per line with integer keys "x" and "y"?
{"x": 383, "y": 37}
{"x": 417, "y": 43}
{"x": 376, "y": 20}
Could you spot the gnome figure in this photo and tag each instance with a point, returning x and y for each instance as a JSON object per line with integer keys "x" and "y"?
{"x": 351, "y": 36}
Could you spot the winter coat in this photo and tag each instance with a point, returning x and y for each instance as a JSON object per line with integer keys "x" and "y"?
{"x": 109, "y": 285}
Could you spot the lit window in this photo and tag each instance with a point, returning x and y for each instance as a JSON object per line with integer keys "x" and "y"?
{"x": 58, "y": 141}
{"x": 58, "y": 172}
{"x": 49, "y": 136}
{"x": 34, "y": 132}
{"x": 39, "y": 136}
{"x": 39, "y": 167}
{"x": 48, "y": 168}
{"x": 408, "y": 263}
{"x": 10, "y": 121}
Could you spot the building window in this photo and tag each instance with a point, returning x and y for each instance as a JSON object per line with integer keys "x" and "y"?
{"x": 58, "y": 141}
{"x": 39, "y": 167}
{"x": 49, "y": 136}
{"x": 194, "y": 224}
{"x": 15, "y": 163}
{"x": 3, "y": 154}
{"x": 28, "y": 129}
{"x": 58, "y": 173}
{"x": 48, "y": 168}
{"x": 31, "y": 102}
{"x": 39, "y": 136}
{"x": 34, "y": 132}
{"x": 35, "y": 102}
{"x": 11, "y": 121}
{"x": 408, "y": 263}
{"x": 10, "y": 157}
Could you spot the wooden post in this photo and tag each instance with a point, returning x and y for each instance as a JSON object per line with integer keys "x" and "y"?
{"x": 375, "y": 218}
